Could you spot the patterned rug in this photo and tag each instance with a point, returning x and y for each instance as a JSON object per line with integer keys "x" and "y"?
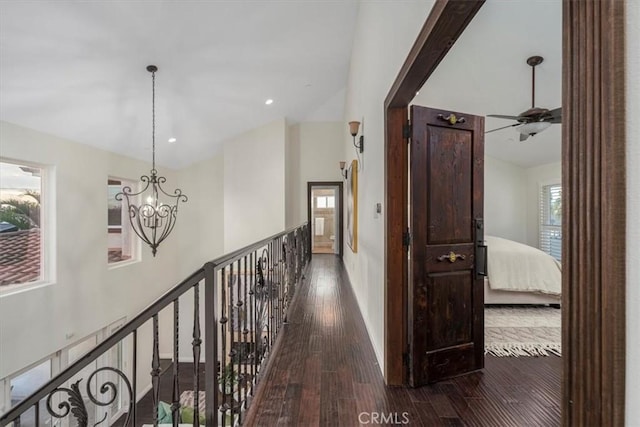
{"x": 186, "y": 399}
{"x": 522, "y": 331}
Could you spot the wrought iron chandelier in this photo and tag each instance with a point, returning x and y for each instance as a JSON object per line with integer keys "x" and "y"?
{"x": 152, "y": 219}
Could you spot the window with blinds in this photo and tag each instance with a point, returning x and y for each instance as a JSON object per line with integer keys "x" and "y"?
{"x": 551, "y": 220}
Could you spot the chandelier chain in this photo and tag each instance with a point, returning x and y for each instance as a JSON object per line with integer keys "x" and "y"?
{"x": 153, "y": 120}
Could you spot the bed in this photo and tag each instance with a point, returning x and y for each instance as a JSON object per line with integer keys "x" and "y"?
{"x": 520, "y": 274}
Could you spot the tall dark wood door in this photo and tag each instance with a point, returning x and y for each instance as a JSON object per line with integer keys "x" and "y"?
{"x": 447, "y": 253}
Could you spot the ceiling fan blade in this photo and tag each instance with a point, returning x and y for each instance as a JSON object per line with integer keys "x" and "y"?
{"x": 523, "y": 137}
{"x": 500, "y": 116}
{"x": 503, "y": 127}
{"x": 556, "y": 116}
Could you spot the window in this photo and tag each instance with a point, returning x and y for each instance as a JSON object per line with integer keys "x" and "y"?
{"x": 551, "y": 220}
{"x": 20, "y": 385}
{"x": 21, "y": 234}
{"x": 323, "y": 202}
{"x": 24, "y": 384}
{"x": 331, "y": 202}
{"x": 121, "y": 242}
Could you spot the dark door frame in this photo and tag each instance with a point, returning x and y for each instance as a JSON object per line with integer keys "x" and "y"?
{"x": 594, "y": 189}
{"x": 339, "y": 209}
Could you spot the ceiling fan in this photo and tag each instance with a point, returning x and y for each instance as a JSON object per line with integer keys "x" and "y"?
{"x": 535, "y": 119}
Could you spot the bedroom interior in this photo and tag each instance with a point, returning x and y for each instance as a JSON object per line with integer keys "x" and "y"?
{"x": 592, "y": 78}
{"x": 517, "y": 169}
{"x": 522, "y": 216}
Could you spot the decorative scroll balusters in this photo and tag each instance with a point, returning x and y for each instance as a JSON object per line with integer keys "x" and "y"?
{"x": 252, "y": 314}
{"x": 245, "y": 331}
{"x": 231, "y": 375}
{"x": 223, "y": 332}
{"x": 271, "y": 288}
{"x": 279, "y": 283}
{"x": 175, "y": 404}
{"x": 75, "y": 406}
{"x": 196, "y": 355}
{"x": 263, "y": 295}
{"x": 110, "y": 387}
{"x": 247, "y": 295}
{"x": 155, "y": 371}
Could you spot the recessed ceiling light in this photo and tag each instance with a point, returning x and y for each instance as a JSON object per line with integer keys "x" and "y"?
{"x": 172, "y": 140}
{"x": 269, "y": 101}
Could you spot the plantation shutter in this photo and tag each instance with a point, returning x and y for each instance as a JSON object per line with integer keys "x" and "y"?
{"x": 551, "y": 220}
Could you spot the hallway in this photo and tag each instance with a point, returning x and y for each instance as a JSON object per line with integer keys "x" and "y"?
{"x": 325, "y": 373}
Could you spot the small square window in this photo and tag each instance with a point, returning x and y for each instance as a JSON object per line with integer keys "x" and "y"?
{"x": 331, "y": 202}
{"x": 321, "y": 202}
{"x": 21, "y": 233}
{"x": 120, "y": 235}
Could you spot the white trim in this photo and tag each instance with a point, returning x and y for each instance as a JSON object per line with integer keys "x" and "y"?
{"x": 47, "y": 228}
{"x": 135, "y": 243}
{"x": 125, "y": 263}
{"x": 18, "y": 288}
{"x": 143, "y": 392}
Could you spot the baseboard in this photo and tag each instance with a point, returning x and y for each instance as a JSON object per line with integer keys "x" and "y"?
{"x": 144, "y": 391}
{"x": 376, "y": 350}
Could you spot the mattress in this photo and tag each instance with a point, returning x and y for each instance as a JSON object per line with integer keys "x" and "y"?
{"x": 513, "y": 266}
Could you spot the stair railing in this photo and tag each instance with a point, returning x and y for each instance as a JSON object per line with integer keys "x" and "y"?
{"x": 246, "y": 297}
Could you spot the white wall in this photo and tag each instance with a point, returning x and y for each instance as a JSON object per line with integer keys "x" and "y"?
{"x": 86, "y": 295}
{"x": 505, "y": 199}
{"x": 316, "y": 148}
{"x": 292, "y": 173}
{"x": 201, "y": 238}
{"x": 254, "y": 185}
{"x": 385, "y": 32}
{"x": 633, "y": 212}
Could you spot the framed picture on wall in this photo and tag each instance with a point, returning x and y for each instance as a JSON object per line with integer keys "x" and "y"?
{"x": 352, "y": 206}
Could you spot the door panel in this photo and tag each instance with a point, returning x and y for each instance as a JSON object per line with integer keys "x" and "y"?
{"x": 448, "y": 181}
{"x": 450, "y": 323}
{"x": 446, "y": 293}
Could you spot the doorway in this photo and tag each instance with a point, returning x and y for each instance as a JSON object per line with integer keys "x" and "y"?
{"x": 593, "y": 147}
{"x": 324, "y": 211}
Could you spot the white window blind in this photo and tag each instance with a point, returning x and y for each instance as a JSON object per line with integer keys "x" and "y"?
{"x": 551, "y": 220}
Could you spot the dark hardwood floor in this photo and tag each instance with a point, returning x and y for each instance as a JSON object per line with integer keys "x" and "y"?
{"x": 325, "y": 373}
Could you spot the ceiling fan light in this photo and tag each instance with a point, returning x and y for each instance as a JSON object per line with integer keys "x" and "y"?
{"x": 532, "y": 128}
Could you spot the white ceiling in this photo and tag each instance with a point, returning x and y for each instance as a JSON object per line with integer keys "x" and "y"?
{"x": 77, "y": 69}
{"x": 486, "y": 73}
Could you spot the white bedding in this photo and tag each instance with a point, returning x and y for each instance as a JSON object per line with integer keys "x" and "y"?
{"x": 513, "y": 266}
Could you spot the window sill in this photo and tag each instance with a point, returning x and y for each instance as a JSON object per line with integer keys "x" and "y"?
{"x": 120, "y": 264}
{"x": 9, "y": 290}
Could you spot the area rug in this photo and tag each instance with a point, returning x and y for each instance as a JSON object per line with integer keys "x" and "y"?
{"x": 522, "y": 331}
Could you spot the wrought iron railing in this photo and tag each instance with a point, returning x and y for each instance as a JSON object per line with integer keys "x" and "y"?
{"x": 246, "y": 297}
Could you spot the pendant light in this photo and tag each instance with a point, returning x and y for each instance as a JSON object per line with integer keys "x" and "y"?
{"x": 152, "y": 211}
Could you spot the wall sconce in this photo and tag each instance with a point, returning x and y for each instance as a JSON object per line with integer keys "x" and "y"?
{"x": 353, "y": 128}
{"x": 343, "y": 171}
